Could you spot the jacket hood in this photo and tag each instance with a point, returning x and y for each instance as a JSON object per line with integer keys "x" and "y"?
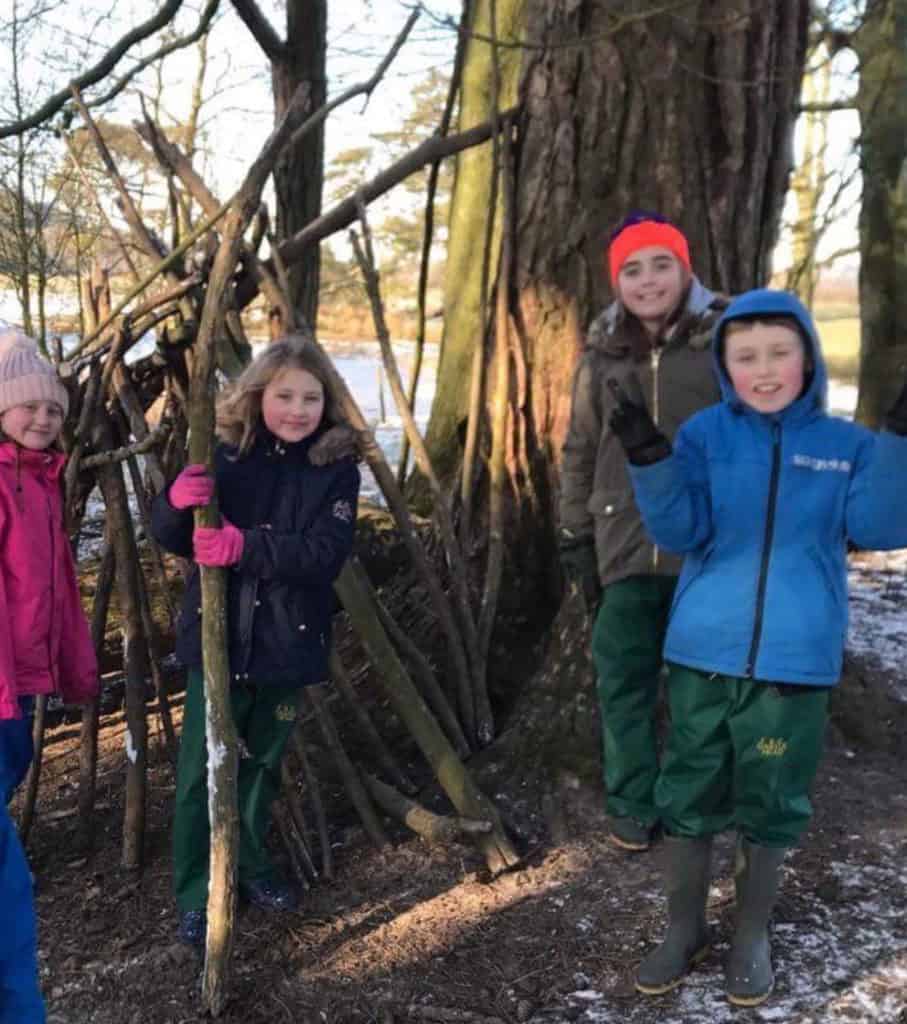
{"x": 699, "y": 299}
{"x": 767, "y": 302}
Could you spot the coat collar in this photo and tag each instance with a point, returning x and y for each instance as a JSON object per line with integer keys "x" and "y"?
{"x": 49, "y": 463}
{"x": 610, "y": 332}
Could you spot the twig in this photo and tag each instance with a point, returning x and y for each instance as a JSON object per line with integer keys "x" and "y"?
{"x": 453, "y": 89}
{"x": 314, "y": 791}
{"x": 389, "y": 766}
{"x": 351, "y": 781}
{"x": 157, "y": 435}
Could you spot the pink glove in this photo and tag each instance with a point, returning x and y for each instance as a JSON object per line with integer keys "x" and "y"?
{"x": 213, "y": 546}
{"x": 192, "y": 487}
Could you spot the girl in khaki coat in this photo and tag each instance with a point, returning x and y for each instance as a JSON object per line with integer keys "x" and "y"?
{"x": 654, "y": 341}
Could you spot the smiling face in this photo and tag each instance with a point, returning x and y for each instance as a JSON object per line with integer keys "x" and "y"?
{"x": 766, "y": 364}
{"x": 650, "y": 284}
{"x": 292, "y": 405}
{"x": 33, "y": 425}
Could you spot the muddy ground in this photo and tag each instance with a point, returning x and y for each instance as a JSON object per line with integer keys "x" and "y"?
{"x": 414, "y": 933}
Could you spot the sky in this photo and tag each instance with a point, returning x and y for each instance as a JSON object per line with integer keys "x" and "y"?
{"x": 238, "y": 114}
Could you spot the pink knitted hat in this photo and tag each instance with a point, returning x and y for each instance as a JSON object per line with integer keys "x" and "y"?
{"x": 24, "y": 375}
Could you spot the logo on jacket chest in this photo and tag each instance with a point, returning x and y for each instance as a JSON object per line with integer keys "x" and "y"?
{"x": 821, "y": 465}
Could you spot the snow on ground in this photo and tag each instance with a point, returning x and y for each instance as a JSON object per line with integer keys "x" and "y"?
{"x": 878, "y": 614}
{"x": 837, "y": 964}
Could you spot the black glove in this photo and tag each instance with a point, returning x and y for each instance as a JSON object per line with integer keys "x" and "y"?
{"x": 643, "y": 442}
{"x": 580, "y": 565}
{"x": 896, "y": 420}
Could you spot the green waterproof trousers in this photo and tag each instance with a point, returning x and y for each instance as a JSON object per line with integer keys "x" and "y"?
{"x": 741, "y": 754}
{"x": 264, "y": 718}
{"x": 626, "y": 644}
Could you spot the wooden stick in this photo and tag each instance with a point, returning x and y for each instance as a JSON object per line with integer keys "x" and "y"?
{"x": 456, "y": 781}
{"x": 411, "y": 653}
{"x": 221, "y": 731}
{"x": 495, "y": 558}
{"x": 340, "y": 678}
{"x": 434, "y": 828}
{"x": 428, "y": 227}
{"x": 34, "y": 769}
{"x": 88, "y": 733}
{"x": 351, "y": 781}
{"x": 294, "y": 806}
{"x": 314, "y": 791}
{"x": 475, "y": 708}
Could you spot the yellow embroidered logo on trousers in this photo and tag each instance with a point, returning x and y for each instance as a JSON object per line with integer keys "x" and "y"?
{"x": 768, "y": 747}
{"x": 285, "y": 713}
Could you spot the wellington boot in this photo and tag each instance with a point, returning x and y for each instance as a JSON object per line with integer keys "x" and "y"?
{"x": 748, "y": 973}
{"x": 687, "y": 939}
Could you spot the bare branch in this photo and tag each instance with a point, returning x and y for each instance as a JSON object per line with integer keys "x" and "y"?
{"x": 94, "y": 74}
{"x": 204, "y": 23}
{"x": 159, "y": 433}
{"x": 274, "y": 47}
{"x": 345, "y": 212}
{"x": 828, "y": 107}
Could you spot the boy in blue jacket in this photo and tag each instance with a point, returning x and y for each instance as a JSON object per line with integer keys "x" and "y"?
{"x": 761, "y": 494}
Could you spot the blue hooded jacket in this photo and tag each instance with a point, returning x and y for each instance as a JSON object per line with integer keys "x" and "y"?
{"x": 762, "y": 506}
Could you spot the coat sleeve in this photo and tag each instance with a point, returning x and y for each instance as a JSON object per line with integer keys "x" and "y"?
{"x": 877, "y": 496}
{"x": 580, "y": 452}
{"x": 9, "y": 694}
{"x": 317, "y": 555}
{"x": 171, "y": 527}
{"x": 78, "y": 663}
{"x": 673, "y": 495}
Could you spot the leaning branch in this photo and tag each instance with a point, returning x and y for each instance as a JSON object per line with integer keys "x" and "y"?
{"x": 345, "y": 213}
{"x": 157, "y": 435}
{"x": 275, "y": 49}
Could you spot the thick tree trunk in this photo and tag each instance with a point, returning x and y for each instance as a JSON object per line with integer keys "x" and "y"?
{"x": 881, "y": 45}
{"x": 471, "y": 207}
{"x": 689, "y": 115}
{"x": 299, "y": 173}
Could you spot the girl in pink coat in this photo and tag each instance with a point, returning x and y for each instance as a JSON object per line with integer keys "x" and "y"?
{"x": 45, "y": 644}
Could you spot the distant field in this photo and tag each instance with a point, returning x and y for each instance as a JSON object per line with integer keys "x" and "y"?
{"x": 841, "y": 345}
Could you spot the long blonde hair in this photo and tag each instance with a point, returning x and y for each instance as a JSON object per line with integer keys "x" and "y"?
{"x": 238, "y": 414}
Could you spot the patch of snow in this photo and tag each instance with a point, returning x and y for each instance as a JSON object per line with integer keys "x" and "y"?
{"x": 877, "y": 633}
{"x": 837, "y": 964}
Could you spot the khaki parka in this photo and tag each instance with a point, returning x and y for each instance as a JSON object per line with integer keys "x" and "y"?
{"x": 674, "y": 378}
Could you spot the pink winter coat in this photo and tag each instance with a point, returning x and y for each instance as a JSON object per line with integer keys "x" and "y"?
{"x": 45, "y": 644}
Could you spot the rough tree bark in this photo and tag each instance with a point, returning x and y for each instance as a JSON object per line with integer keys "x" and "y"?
{"x": 299, "y": 173}
{"x": 881, "y": 45}
{"x": 689, "y": 111}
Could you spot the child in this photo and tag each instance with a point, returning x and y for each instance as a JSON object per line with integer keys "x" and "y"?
{"x": 761, "y": 493}
{"x": 288, "y": 523}
{"x": 45, "y": 644}
{"x": 655, "y": 340}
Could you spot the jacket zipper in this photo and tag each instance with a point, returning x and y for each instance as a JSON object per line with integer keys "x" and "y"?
{"x": 53, "y": 598}
{"x": 766, "y": 549}
{"x": 656, "y": 362}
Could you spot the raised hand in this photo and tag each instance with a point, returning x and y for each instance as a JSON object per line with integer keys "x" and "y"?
{"x": 193, "y": 487}
{"x": 643, "y": 442}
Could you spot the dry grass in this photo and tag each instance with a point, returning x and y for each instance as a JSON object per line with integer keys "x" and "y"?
{"x": 840, "y": 345}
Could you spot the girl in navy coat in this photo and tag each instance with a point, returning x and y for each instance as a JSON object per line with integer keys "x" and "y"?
{"x": 761, "y": 493}
{"x": 287, "y": 484}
